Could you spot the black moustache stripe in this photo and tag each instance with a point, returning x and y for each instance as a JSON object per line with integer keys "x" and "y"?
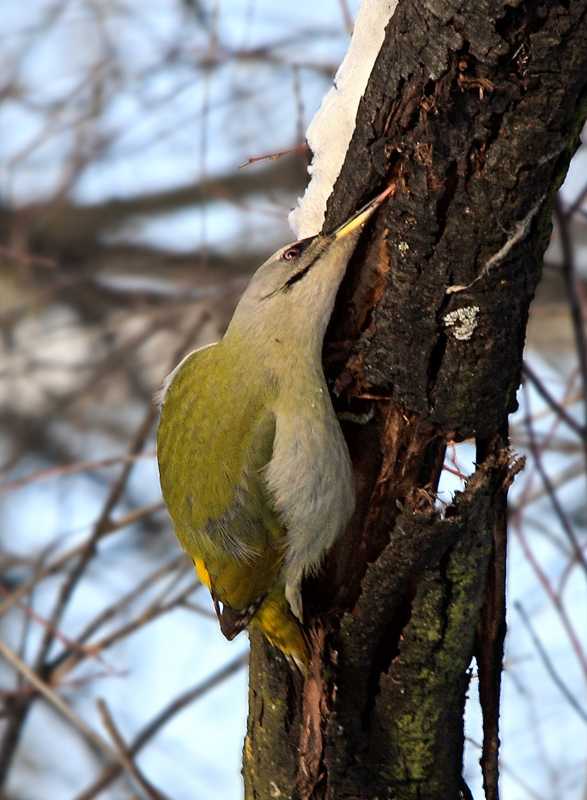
{"x": 297, "y": 276}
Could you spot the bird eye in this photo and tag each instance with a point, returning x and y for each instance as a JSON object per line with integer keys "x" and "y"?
{"x": 292, "y": 253}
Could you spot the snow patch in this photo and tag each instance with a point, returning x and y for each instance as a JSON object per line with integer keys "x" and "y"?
{"x": 331, "y": 129}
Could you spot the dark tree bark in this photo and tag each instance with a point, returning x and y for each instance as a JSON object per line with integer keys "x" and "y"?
{"x": 472, "y": 112}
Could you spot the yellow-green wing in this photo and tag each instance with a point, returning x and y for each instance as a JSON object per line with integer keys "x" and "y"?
{"x": 215, "y": 437}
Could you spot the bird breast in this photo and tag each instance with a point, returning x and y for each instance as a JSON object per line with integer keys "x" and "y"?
{"x": 310, "y": 477}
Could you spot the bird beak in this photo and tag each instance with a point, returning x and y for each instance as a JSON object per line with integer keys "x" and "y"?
{"x": 362, "y": 215}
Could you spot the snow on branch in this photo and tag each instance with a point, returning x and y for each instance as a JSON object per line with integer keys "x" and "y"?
{"x": 331, "y": 129}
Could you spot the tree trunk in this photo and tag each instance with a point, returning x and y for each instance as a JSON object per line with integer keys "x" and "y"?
{"x": 472, "y": 112}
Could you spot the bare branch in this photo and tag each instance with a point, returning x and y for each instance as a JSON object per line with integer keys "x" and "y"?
{"x": 179, "y": 704}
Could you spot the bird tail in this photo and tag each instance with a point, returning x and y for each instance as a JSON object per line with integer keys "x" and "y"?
{"x": 272, "y": 615}
{"x": 279, "y": 625}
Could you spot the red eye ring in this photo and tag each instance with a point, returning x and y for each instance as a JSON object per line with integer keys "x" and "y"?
{"x": 292, "y": 253}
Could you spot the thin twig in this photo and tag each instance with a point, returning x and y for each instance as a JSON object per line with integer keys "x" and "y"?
{"x": 556, "y": 504}
{"x": 548, "y": 663}
{"x": 554, "y": 404}
{"x": 59, "y": 703}
{"x": 554, "y": 598}
{"x": 66, "y": 590}
{"x": 575, "y": 296}
{"x": 348, "y": 19}
{"x": 72, "y": 469}
{"x": 72, "y": 657}
{"x": 119, "y": 605}
{"x": 577, "y": 202}
{"x": 101, "y": 524}
{"x": 151, "y": 613}
{"x": 503, "y": 766}
{"x": 26, "y": 258}
{"x": 61, "y": 560}
{"x": 112, "y": 771}
{"x": 547, "y": 439}
{"x": 273, "y": 156}
{"x": 149, "y": 790}
{"x": 71, "y": 644}
{"x": 28, "y": 689}
{"x": 532, "y": 495}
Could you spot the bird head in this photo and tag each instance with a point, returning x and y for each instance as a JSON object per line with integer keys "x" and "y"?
{"x": 296, "y": 287}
